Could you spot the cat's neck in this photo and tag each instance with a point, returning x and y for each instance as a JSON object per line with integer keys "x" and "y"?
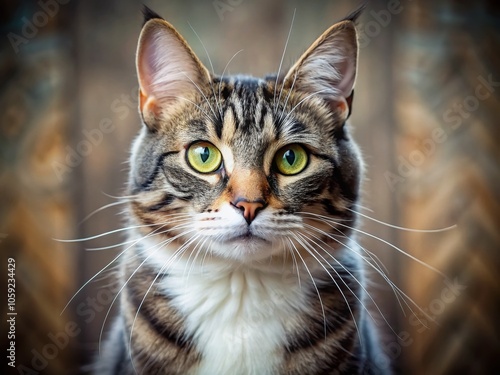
{"x": 260, "y": 304}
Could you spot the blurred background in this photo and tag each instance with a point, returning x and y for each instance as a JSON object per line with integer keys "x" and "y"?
{"x": 426, "y": 115}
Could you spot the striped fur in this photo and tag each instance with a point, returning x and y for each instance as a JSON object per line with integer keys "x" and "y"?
{"x": 211, "y": 290}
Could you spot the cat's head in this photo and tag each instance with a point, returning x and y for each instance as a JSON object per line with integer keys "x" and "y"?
{"x": 241, "y": 167}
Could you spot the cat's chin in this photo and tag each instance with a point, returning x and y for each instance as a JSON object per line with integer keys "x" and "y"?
{"x": 246, "y": 247}
{"x": 250, "y": 241}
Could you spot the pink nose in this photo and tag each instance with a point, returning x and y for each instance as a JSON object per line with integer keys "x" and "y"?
{"x": 250, "y": 209}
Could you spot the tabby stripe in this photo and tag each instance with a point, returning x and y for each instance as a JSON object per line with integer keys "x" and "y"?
{"x": 155, "y": 309}
{"x": 159, "y": 165}
{"x": 157, "y": 322}
{"x": 225, "y": 92}
{"x": 235, "y": 115}
{"x": 263, "y": 113}
{"x": 167, "y": 199}
{"x": 198, "y": 126}
{"x": 311, "y": 339}
{"x": 337, "y": 314}
{"x": 330, "y": 209}
{"x": 348, "y": 188}
{"x": 297, "y": 127}
{"x": 268, "y": 94}
{"x": 335, "y": 354}
{"x": 247, "y": 123}
{"x": 218, "y": 125}
{"x": 329, "y": 158}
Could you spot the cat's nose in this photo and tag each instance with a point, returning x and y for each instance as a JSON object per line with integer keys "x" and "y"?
{"x": 249, "y": 209}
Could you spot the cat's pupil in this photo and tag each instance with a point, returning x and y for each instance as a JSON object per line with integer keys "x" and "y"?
{"x": 204, "y": 154}
{"x": 290, "y": 157}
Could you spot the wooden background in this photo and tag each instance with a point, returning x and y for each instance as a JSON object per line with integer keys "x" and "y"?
{"x": 424, "y": 115}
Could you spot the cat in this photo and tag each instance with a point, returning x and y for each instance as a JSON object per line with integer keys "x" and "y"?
{"x": 243, "y": 196}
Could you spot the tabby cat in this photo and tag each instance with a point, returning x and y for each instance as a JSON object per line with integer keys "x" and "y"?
{"x": 243, "y": 197}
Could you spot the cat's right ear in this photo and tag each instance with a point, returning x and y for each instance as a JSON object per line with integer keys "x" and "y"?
{"x": 168, "y": 70}
{"x": 328, "y": 68}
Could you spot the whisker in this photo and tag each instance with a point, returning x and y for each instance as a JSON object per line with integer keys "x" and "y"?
{"x": 185, "y": 220}
{"x": 281, "y": 62}
{"x": 167, "y": 264}
{"x": 104, "y": 268}
{"x": 331, "y": 223}
{"x": 110, "y": 246}
{"x": 370, "y": 254}
{"x": 308, "y": 248}
{"x": 355, "y": 279}
{"x": 154, "y": 232}
{"x": 199, "y": 90}
{"x": 287, "y": 97}
{"x": 211, "y": 67}
{"x": 397, "y": 291}
{"x": 294, "y": 261}
{"x": 364, "y": 207}
{"x": 303, "y": 100}
{"x": 313, "y": 282}
{"x": 397, "y": 249}
{"x": 224, "y": 71}
{"x": 207, "y": 252}
{"x": 105, "y": 234}
{"x": 198, "y": 249}
{"x": 158, "y": 246}
{"x": 206, "y": 115}
{"x": 101, "y": 209}
{"x": 404, "y": 228}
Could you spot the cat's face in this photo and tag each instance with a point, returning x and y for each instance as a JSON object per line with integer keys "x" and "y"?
{"x": 242, "y": 167}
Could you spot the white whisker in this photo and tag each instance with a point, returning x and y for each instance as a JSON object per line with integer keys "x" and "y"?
{"x": 355, "y": 279}
{"x": 404, "y": 228}
{"x": 313, "y": 282}
{"x": 152, "y": 233}
{"x": 301, "y": 101}
{"x": 332, "y": 223}
{"x": 165, "y": 266}
{"x": 158, "y": 246}
{"x": 224, "y": 71}
{"x": 308, "y": 248}
{"x": 281, "y": 63}
{"x": 397, "y": 291}
{"x": 211, "y": 67}
{"x": 287, "y": 97}
{"x": 101, "y": 209}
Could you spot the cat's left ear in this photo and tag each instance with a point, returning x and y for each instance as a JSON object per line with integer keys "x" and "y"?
{"x": 168, "y": 70}
{"x": 328, "y": 67}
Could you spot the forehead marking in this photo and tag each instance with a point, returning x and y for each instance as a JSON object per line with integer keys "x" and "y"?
{"x": 228, "y": 126}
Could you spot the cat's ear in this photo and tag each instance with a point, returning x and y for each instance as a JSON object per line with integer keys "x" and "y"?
{"x": 168, "y": 70}
{"x": 328, "y": 67}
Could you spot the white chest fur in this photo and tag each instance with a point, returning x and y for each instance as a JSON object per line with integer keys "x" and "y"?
{"x": 236, "y": 316}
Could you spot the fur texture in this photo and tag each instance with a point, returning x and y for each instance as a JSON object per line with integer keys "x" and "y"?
{"x": 246, "y": 269}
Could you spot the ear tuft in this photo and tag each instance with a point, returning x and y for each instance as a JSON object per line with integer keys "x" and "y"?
{"x": 354, "y": 15}
{"x": 149, "y": 14}
{"x": 328, "y": 68}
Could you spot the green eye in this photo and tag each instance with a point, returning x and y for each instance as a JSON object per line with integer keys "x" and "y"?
{"x": 291, "y": 159}
{"x": 204, "y": 157}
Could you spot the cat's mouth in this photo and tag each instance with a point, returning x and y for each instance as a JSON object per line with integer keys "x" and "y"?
{"x": 247, "y": 237}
